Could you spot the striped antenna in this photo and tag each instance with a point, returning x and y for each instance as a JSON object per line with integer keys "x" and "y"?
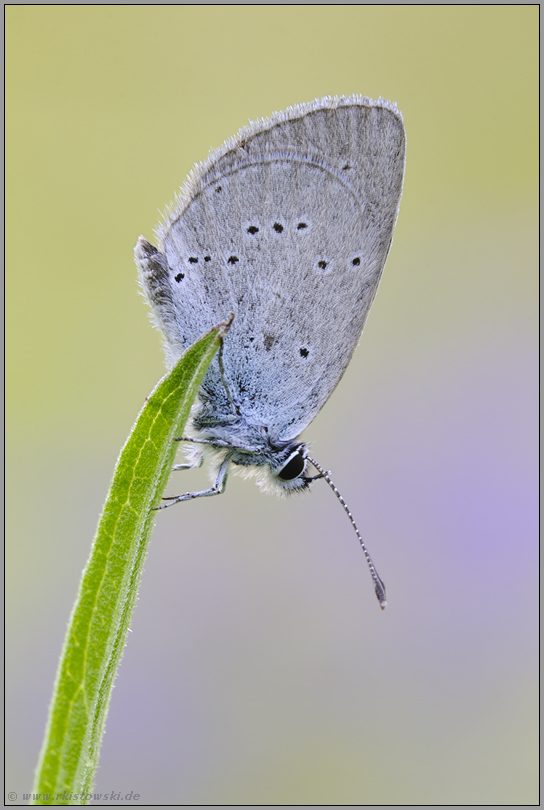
{"x": 379, "y": 587}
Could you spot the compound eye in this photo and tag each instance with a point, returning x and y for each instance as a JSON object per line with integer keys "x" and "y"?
{"x": 293, "y": 468}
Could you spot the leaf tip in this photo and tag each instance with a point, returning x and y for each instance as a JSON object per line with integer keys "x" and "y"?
{"x": 224, "y": 326}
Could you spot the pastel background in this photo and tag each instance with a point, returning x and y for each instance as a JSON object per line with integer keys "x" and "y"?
{"x": 260, "y": 669}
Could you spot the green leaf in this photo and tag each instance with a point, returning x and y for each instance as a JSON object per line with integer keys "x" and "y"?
{"x": 107, "y": 594}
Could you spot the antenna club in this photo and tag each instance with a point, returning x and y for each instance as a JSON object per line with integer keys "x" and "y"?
{"x": 380, "y": 593}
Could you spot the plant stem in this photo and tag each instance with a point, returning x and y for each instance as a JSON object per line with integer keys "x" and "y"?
{"x": 101, "y": 616}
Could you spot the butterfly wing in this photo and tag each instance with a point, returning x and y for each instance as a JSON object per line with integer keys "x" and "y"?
{"x": 288, "y": 225}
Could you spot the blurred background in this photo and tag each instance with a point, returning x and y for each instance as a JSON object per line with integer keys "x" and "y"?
{"x": 260, "y": 669}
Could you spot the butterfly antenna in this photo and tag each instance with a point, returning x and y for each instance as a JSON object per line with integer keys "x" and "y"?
{"x": 379, "y": 587}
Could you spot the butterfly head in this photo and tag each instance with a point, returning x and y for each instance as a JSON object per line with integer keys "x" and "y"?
{"x": 287, "y": 471}
{"x": 279, "y": 470}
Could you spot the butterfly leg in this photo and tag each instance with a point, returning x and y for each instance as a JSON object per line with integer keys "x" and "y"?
{"x": 213, "y": 442}
{"x": 190, "y": 466}
{"x": 219, "y": 443}
{"x": 217, "y": 489}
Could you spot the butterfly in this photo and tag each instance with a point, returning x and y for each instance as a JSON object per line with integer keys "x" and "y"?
{"x": 287, "y": 226}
